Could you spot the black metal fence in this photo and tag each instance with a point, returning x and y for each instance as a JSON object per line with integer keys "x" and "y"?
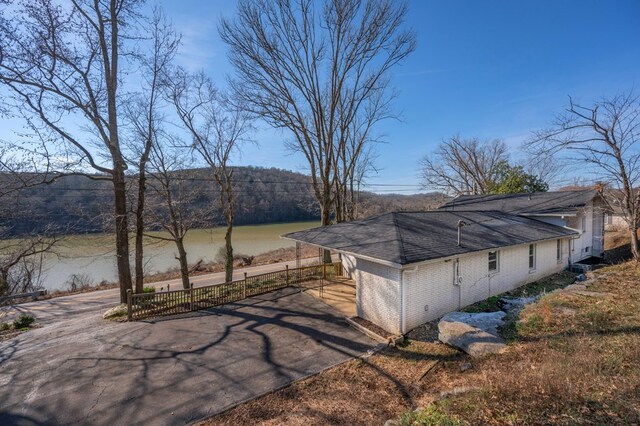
{"x": 148, "y": 305}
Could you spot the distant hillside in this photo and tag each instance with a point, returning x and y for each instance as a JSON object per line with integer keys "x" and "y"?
{"x": 77, "y": 204}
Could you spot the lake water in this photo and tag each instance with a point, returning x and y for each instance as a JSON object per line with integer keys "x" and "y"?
{"x": 94, "y": 255}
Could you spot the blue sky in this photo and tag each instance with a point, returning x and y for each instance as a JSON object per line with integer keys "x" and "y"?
{"x": 491, "y": 69}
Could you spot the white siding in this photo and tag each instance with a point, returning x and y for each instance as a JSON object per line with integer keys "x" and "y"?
{"x": 378, "y": 294}
{"x": 581, "y": 246}
{"x": 432, "y": 285}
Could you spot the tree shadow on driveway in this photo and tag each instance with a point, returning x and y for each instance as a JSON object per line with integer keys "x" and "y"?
{"x": 179, "y": 370}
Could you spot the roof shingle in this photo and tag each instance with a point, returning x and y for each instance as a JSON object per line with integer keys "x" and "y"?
{"x": 539, "y": 203}
{"x": 408, "y": 237}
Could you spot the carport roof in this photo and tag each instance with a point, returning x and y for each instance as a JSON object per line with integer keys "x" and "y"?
{"x": 409, "y": 237}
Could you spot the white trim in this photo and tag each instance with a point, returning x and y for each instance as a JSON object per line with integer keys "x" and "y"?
{"x": 471, "y": 253}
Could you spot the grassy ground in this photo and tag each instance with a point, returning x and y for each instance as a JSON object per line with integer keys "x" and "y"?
{"x": 573, "y": 359}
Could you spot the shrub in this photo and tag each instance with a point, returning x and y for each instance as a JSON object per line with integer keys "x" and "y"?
{"x": 23, "y": 321}
{"x": 148, "y": 289}
{"x": 79, "y": 282}
{"x": 5, "y": 326}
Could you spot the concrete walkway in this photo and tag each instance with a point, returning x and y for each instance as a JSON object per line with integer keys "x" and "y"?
{"x": 80, "y": 369}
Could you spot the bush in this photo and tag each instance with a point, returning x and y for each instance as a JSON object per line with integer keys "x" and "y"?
{"x": 148, "y": 289}
{"x": 5, "y": 326}
{"x": 23, "y": 321}
{"x": 79, "y": 282}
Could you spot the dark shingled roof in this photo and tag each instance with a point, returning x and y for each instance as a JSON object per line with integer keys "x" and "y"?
{"x": 529, "y": 204}
{"x": 409, "y": 237}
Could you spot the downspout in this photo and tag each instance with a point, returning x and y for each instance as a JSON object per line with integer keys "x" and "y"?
{"x": 403, "y": 302}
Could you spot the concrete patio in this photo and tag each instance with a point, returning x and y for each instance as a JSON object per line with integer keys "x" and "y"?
{"x": 338, "y": 292}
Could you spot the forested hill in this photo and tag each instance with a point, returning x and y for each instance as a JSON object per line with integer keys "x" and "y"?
{"x": 77, "y": 204}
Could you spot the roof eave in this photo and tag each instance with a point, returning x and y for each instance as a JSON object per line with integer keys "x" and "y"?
{"x": 361, "y": 256}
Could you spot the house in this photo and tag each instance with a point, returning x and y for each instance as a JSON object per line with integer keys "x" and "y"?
{"x": 413, "y": 267}
{"x": 581, "y": 210}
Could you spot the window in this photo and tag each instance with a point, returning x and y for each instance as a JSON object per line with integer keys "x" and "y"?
{"x": 608, "y": 219}
{"x": 559, "y": 251}
{"x": 586, "y": 249}
{"x": 493, "y": 259}
{"x": 584, "y": 223}
{"x": 532, "y": 256}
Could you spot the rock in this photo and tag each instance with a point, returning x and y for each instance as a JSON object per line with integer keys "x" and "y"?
{"x": 458, "y": 390}
{"x": 116, "y": 312}
{"x": 466, "y": 366}
{"x": 391, "y": 423}
{"x": 473, "y": 333}
{"x": 592, "y": 294}
{"x": 581, "y": 278}
{"x": 563, "y": 310}
{"x": 574, "y": 287}
{"x": 515, "y": 304}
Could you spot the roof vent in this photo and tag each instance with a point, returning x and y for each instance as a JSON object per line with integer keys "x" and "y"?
{"x": 461, "y": 223}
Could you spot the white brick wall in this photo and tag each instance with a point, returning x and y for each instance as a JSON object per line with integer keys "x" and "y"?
{"x": 349, "y": 266}
{"x": 432, "y": 285}
{"x": 378, "y": 294}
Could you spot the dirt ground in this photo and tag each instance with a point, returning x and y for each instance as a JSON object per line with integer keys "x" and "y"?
{"x": 366, "y": 392}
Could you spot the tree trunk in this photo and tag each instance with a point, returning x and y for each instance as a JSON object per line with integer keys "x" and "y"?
{"x": 326, "y": 220}
{"x": 228, "y": 263}
{"x": 633, "y": 230}
{"x": 184, "y": 265}
{"x": 139, "y": 256}
{"x": 122, "y": 232}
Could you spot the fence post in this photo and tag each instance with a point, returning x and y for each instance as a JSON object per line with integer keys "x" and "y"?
{"x": 129, "y": 313}
{"x": 244, "y": 286}
{"x": 324, "y": 271}
{"x": 286, "y": 274}
{"x": 191, "y": 294}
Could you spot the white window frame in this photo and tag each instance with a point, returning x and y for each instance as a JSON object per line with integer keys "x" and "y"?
{"x": 532, "y": 257}
{"x": 559, "y": 251}
{"x": 496, "y": 260}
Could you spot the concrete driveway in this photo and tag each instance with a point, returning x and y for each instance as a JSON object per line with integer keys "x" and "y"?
{"x": 85, "y": 370}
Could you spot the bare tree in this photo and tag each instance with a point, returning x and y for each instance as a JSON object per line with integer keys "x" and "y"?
{"x": 21, "y": 262}
{"x": 604, "y": 137}
{"x": 63, "y": 66}
{"x": 144, "y": 115}
{"x": 217, "y": 128}
{"x": 21, "y": 259}
{"x": 464, "y": 166}
{"x": 315, "y": 70}
{"x": 172, "y": 212}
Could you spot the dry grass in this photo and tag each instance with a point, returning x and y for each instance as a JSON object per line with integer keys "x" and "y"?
{"x": 574, "y": 360}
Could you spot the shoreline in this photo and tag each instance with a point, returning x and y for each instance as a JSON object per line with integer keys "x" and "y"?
{"x": 197, "y": 268}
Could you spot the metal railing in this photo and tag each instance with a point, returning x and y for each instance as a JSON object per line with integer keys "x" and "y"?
{"x": 163, "y": 303}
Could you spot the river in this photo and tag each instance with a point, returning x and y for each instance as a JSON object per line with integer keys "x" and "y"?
{"x": 93, "y": 255}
